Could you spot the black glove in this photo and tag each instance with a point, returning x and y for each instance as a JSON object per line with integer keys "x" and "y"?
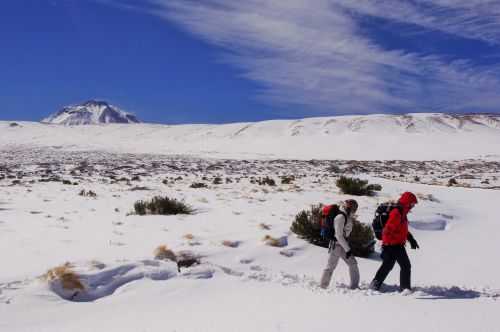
{"x": 348, "y": 254}
{"x": 413, "y": 242}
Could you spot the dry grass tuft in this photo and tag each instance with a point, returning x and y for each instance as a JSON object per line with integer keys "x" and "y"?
{"x": 188, "y": 236}
{"x": 275, "y": 242}
{"x": 163, "y": 253}
{"x": 68, "y": 278}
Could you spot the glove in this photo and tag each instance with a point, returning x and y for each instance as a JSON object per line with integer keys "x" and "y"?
{"x": 348, "y": 254}
{"x": 413, "y": 242}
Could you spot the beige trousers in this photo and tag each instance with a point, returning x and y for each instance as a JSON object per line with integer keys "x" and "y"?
{"x": 336, "y": 253}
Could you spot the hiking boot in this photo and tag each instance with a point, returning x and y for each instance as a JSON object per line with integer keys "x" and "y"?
{"x": 406, "y": 292}
{"x": 375, "y": 285}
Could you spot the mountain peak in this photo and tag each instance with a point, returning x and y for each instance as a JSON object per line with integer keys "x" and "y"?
{"x": 90, "y": 112}
{"x": 95, "y": 102}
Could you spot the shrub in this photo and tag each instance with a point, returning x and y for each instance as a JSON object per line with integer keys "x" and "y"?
{"x": 357, "y": 187}
{"x": 161, "y": 206}
{"x": 452, "y": 182}
{"x": 89, "y": 193}
{"x": 217, "y": 180}
{"x": 182, "y": 258}
{"x": 163, "y": 253}
{"x": 266, "y": 181}
{"x": 198, "y": 185}
{"x": 66, "y": 276}
{"x": 361, "y": 240}
{"x": 188, "y": 236}
{"x": 140, "y": 188}
{"x": 374, "y": 187}
{"x": 307, "y": 226}
{"x": 287, "y": 179}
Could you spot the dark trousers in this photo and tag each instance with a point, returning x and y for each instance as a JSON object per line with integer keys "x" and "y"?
{"x": 391, "y": 255}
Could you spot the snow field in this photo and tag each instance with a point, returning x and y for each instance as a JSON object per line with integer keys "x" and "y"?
{"x": 248, "y": 287}
{"x": 371, "y": 137}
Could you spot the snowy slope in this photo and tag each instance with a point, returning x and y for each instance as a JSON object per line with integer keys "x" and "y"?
{"x": 90, "y": 112}
{"x": 372, "y": 137}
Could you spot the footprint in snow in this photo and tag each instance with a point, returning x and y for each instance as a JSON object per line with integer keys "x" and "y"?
{"x": 246, "y": 260}
{"x": 434, "y": 225}
{"x": 421, "y": 292}
{"x": 291, "y": 251}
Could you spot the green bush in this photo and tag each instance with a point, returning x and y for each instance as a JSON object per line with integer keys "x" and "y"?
{"x": 361, "y": 240}
{"x": 266, "y": 181}
{"x": 198, "y": 185}
{"x": 163, "y": 206}
{"x": 307, "y": 226}
{"x": 287, "y": 179}
{"x": 89, "y": 193}
{"x": 357, "y": 187}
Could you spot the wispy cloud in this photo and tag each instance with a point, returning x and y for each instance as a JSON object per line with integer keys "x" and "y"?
{"x": 315, "y": 53}
{"x": 473, "y": 19}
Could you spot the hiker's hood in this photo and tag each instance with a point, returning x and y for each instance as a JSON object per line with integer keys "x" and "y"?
{"x": 407, "y": 199}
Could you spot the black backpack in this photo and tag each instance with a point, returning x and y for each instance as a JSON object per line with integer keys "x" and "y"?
{"x": 381, "y": 217}
{"x": 329, "y": 213}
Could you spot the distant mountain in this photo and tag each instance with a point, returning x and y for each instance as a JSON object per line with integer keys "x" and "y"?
{"x": 90, "y": 112}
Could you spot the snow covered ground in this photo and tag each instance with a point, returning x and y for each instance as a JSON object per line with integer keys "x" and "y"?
{"x": 249, "y": 286}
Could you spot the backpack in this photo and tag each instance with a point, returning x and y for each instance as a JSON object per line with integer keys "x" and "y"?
{"x": 329, "y": 213}
{"x": 381, "y": 217}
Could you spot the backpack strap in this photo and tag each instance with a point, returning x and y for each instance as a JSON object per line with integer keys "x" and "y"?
{"x": 334, "y": 240}
{"x": 400, "y": 209}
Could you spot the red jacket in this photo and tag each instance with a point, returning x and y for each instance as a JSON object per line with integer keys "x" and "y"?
{"x": 396, "y": 229}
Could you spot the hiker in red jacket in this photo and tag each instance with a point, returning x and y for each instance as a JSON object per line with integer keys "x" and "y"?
{"x": 394, "y": 237}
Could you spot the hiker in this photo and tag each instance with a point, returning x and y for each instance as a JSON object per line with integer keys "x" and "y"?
{"x": 394, "y": 236}
{"x": 339, "y": 247}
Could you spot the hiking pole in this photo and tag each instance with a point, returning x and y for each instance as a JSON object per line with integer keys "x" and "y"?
{"x": 330, "y": 246}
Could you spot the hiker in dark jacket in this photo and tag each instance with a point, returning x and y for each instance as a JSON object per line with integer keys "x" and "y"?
{"x": 394, "y": 237}
{"x": 339, "y": 247}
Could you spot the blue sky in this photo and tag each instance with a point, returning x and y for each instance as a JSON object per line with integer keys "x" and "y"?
{"x": 216, "y": 61}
